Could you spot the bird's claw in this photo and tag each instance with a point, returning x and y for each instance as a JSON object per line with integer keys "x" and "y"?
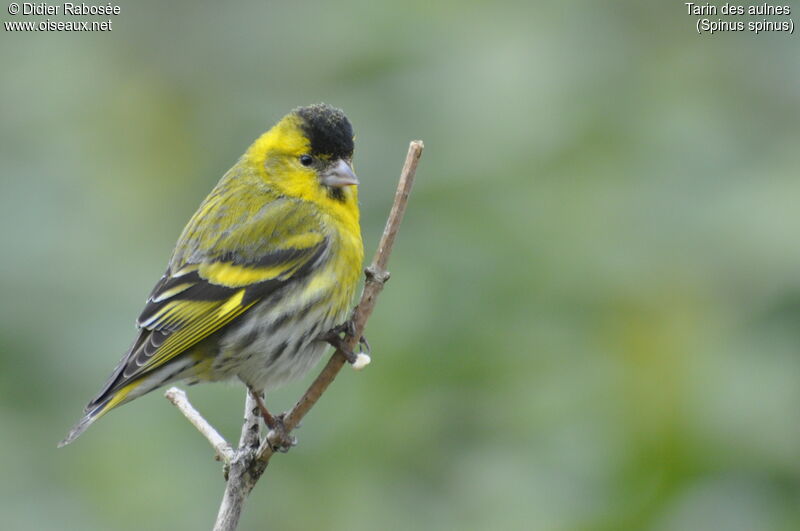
{"x": 365, "y": 348}
{"x": 338, "y": 342}
{"x": 278, "y": 437}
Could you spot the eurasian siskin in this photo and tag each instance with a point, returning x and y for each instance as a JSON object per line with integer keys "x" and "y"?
{"x": 264, "y": 269}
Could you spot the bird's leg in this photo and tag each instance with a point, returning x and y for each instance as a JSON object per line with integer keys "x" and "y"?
{"x": 334, "y": 338}
{"x": 269, "y": 420}
{"x": 279, "y": 439}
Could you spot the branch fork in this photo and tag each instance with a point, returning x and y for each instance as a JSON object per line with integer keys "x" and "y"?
{"x": 244, "y": 465}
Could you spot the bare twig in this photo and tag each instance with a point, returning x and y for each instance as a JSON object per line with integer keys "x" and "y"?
{"x": 220, "y": 445}
{"x": 376, "y": 278}
{"x": 245, "y": 466}
{"x": 243, "y": 472}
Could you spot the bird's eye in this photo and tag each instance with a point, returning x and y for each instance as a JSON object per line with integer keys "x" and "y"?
{"x": 306, "y": 160}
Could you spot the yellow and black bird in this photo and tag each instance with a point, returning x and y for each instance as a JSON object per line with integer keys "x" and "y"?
{"x": 263, "y": 271}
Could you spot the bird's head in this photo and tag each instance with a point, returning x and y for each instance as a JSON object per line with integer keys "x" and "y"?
{"x": 308, "y": 155}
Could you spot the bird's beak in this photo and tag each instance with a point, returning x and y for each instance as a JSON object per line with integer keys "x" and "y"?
{"x": 339, "y": 175}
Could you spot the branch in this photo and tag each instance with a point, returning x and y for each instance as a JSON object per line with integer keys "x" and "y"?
{"x": 245, "y": 465}
{"x": 220, "y": 445}
{"x": 376, "y": 278}
{"x": 243, "y": 472}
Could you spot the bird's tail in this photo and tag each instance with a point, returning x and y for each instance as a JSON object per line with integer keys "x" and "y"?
{"x": 80, "y": 426}
{"x": 101, "y": 406}
{"x": 118, "y": 391}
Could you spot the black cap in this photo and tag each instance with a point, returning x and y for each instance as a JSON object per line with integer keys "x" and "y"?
{"x": 328, "y": 130}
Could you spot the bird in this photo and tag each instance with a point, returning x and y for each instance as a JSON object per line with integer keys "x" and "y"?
{"x": 262, "y": 276}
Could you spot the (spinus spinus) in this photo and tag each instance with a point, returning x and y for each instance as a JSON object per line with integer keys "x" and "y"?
{"x": 265, "y": 268}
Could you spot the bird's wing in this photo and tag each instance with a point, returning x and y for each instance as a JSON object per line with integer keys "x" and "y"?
{"x": 215, "y": 285}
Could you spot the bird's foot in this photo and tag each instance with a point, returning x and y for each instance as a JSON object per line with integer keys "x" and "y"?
{"x": 338, "y": 341}
{"x": 278, "y": 437}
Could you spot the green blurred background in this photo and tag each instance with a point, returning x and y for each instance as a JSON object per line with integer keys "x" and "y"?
{"x": 592, "y": 322}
